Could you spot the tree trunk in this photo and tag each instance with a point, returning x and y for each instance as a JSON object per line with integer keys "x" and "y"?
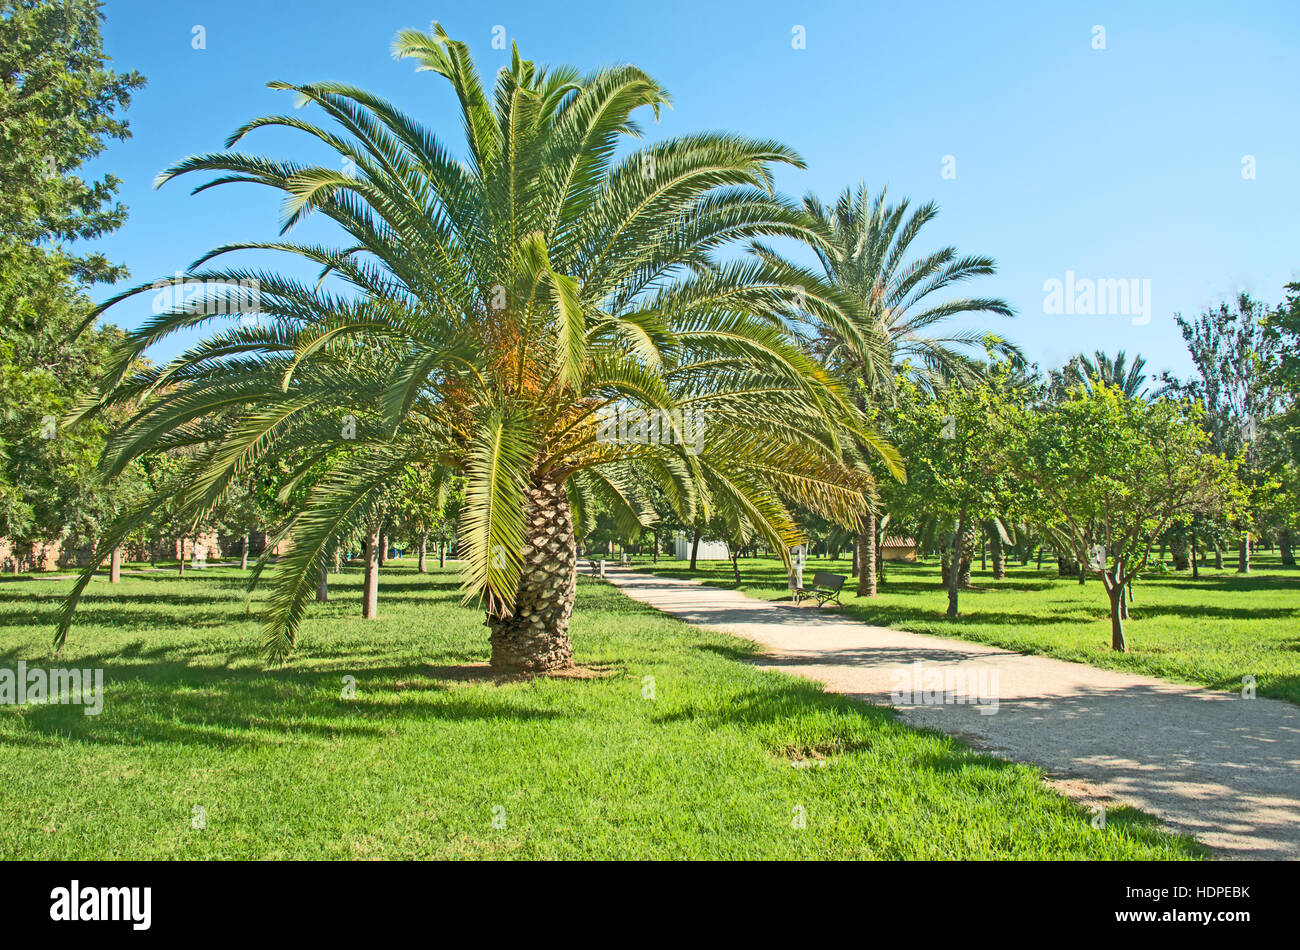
{"x": 656, "y": 537}
{"x": 999, "y": 554}
{"x": 1196, "y": 568}
{"x": 115, "y": 566}
{"x": 1178, "y": 547}
{"x": 1218, "y": 557}
{"x": 867, "y": 556}
{"x": 968, "y": 540}
{"x": 1243, "y": 555}
{"x": 383, "y": 548}
{"x": 945, "y": 562}
{"x": 442, "y": 553}
{"x": 1284, "y": 545}
{"x": 1065, "y": 567}
{"x": 424, "y": 544}
{"x": 954, "y": 572}
{"x": 534, "y": 637}
{"x": 1114, "y": 581}
{"x": 338, "y": 556}
{"x": 370, "y": 590}
{"x": 243, "y": 555}
{"x": 323, "y": 586}
{"x": 695, "y": 547}
{"x": 735, "y": 567}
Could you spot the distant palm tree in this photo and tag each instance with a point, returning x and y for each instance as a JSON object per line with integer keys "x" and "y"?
{"x": 1082, "y": 371}
{"x": 865, "y": 249}
{"x": 498, "y": 311}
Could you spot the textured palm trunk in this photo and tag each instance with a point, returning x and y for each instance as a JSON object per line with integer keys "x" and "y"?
{"x": 999, "y": 553}
{"x": 534, "y": 638}
{"x": 1178, "y": 548}
{"x": 424, "y": 546}
{"x": 442, "y": 553}
{"x": 968, "y": 538}
{"x": 370, "y": 590}
{"x": 867, "y": 556}
{"x": 115, "y": 566}
{"x": 323, "y": 586}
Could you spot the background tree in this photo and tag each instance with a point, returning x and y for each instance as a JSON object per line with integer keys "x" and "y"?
{"x": 1111, "y": 473}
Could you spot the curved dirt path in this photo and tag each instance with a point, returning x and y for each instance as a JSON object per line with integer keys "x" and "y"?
{"x": 1215, "y": 765}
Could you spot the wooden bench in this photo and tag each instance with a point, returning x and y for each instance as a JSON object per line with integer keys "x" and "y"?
{"x": 825, "y": 589}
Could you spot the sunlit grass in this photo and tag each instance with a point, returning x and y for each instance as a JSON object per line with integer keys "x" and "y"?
{"x": 429, "y": 753}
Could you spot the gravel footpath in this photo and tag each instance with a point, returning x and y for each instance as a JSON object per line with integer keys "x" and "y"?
{"x": 1215, "y": 765}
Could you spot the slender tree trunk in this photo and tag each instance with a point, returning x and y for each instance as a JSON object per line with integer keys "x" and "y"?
{"x": 1196, "y": 568}
{"x": 735, "y": 566}
{"x": 867, "y": 556}
{"x": 984, "y": 548}
{"x": 999, "y": 554}
{"x": 323, "y": 586}
{"x": 115, "y": 566}
{"x": 1243, "y": 556}
{"x": 695, "y": 548}
{"x": 945, "y": 562}
{"x": 534, "y": 637}
{"x": 181, "y": 569}
{"x": 338, "y": 555}
{"x": 243, "y": 554}
{"x": 1284, "y": 545}
{"x": 1040, "y": 558}
{"x": 954, "y": 572}
{"x": 370, "y": 589}
{"x": 656, "y": 537}
{"x": 1115, "y": 581}
{"x": 442, "y": 553}
{"x": 424, "y": 544}
{"x": 1218, "y": 557}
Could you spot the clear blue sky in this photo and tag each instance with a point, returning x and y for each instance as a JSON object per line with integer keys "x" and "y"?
{"x": 1117, "y": 163}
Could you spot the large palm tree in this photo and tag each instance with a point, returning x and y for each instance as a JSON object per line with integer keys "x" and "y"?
{"x": 865, "y": 248}
{"x": 485, "y": 315}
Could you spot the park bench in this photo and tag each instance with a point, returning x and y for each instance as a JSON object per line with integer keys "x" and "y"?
{"x": 825, "y": 588}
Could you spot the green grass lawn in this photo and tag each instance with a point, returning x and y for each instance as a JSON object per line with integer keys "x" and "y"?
{"x": 717, "y": 765}
{"x": 1211, "y": 632}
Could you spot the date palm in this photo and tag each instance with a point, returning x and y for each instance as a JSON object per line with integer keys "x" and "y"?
{"x": 484, "y": 315}
{"x": 865, "y": 248}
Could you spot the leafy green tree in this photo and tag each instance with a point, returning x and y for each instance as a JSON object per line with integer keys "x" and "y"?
{"x": 1111, "y": 473}
{"x": 1230, "y": 348}
{"x": 952, "y": 439}
{"x": 57, "y": 111}
{"x": 489, "y": 311}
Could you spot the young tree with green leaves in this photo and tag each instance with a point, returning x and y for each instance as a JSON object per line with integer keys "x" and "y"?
{"x": 1111, "y": 473}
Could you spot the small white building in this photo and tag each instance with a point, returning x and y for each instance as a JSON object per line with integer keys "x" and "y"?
{"x": 709, "y": 550}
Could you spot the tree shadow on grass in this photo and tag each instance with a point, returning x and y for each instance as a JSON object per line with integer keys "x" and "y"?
{"x": 154, "y": 696}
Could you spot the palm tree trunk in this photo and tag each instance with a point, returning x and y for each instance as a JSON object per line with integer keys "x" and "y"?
{"x": 968, "y": 539}
{"x": 424, "y": 544}
{"x": 695, "y": 547}
{"x": 370, "y": 591}
{"x": 999, "y": 554}
{"x": 442, "y": 553}
{"x": 867, "y": 556}
{"x": 323, "y": 586}
{"x": 534, "y": 638}
{"x": 115, "y": 566}
{"x": 243, "y": 556}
